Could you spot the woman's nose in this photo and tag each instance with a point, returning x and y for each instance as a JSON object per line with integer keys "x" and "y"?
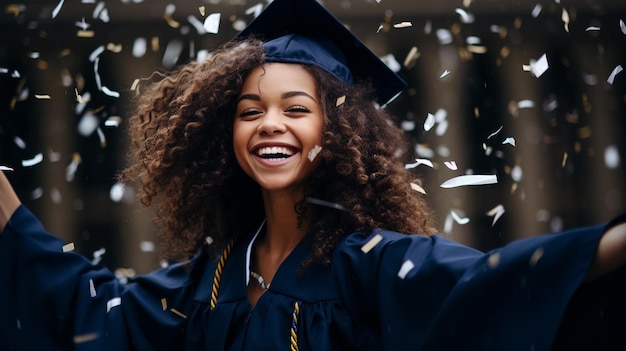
{"x": 272, "y": 123}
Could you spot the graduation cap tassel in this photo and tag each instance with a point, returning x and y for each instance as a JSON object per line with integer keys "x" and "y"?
{"x": 294, "y": 326}
{"x": 218, "y": 274}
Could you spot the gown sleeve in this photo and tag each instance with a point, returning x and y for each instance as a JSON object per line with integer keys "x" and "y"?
{"x": 429, "y": 293}
{"x": 55, "y": 300}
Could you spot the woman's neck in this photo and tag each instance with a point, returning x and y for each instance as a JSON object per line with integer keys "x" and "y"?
{"x": 283, "y": 232}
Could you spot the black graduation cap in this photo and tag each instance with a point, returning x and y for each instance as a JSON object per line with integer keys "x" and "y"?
{"x": 303, "y": 31}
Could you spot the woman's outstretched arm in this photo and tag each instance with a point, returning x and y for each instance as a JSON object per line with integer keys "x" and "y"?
{"x": 611, "y": 252}
{"x": 9, "y": 202}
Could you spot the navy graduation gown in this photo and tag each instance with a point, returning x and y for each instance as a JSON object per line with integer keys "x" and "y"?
{"x": 404, "y": 293}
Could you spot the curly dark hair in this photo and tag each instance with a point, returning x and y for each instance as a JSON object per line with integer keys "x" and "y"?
{"x": 185, "y": 163}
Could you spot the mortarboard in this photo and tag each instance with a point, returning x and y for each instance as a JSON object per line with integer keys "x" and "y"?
{"x": 303, "y": 31}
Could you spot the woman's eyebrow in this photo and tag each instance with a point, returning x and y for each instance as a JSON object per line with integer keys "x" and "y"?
{"x": 249, "y": 97}
{"x": 297, "y": 93}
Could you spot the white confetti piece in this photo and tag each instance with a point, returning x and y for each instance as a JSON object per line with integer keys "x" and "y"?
{"x": 92, "y": 288}
{"x": 116, "y": 194}
{"x": 140, "y": 46}
{"x": 592, "y": 29}
{"x": 419, "y": 161}
{"x": 97, "y": 255}
{"x": 536, "y": 10}
{"x": 68, "y": 247}
{"x": 146, "y": 246}
{"x": 88, "y": 124}
{"x": 314, "y": 152}
{"x": 457, "y": 218}
{"x": 565, "y": 19}
{"x": 37, "y": 159}
{"x": 42, "y": 96}
{"x": 429, "y": 123}
{"x": 444, "y": 36}
{"x": 612, "y": 157}
{"x": 209, "y": 240}
{"x": 465, "y": 16}
{"x": 113, "y": 121}
{"x": 411, "y": 57}
{"x": 470, "y": 180}
{"x": 197, "y": 24}
{"x": 496, "y": 213}
{"x": 525, "y": 104}
{"x": 516, "y": 173}
{"x": 406, "y": 267}
{"x": 110, "y": 92}
{"x": 509, "y": 140}
{"x": 375, "y": 240}
{"x": 403, "y": 25}
{"x": 539, "y": 67}
{"x": 418, "y": 188}
{"x": 495, "y": 133}
{"x": 212, "y": 23}
{"x": 172, "y": 53}
{"x": 451, "y": 165}
{"x": 622, "y": 26}
{"x": 114, "y": 302}
{"x": 255, "y": 10}
{"x": 391, "y": 62}
{"x": 615, "y": 72}
{"x": 445, "y": 73}
{"x": 325, "y": 203}
{"x": 70, "y": 170}
{"x": 340, "y": 100}
{"x": 5, "y": 168}
{"x": 57, "y": 9}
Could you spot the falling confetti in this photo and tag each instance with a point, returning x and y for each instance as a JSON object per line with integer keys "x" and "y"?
{"x": 325, "y": 203}
{"x": 451, "y": 165}
{"x": 612, "y": 157}
{"x": 406, "y": 267}
{"x": 57, "y": 9}
{"x": 212, "y": 23}
{"x": 403, "y": 25}
{"x": 92, "y": 288}
{"x": 372, "y": 243}
{"x": 418, "y": 188}
{"x": 340, "y": 100}
{"x": 539, "y": 67}
{"x": 164, "y": 304}
{"x": 419, "y": 161}
{"x": 496, "y": 213}
{"x": 114, "y": 302}
{"x": 622, "y": 26}
{"x": 178, "y": 313}
{"x": 37, "y": 159}
{"x": 494, "y": 260}
{"x": 615, "y": 72}
{"x": 459, "y": 219}
{"x": 536, "y": 256}
{"x": 466, "y": 180}
{"x": 79, "y": 339}
{"x": 5, "y": 168}
{"x": 509, "y": 140}
{"x": 68, "y": 247}
{"x": 314, "y": 152}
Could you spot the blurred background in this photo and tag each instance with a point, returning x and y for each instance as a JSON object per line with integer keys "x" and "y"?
{"x": 528, "y": 93}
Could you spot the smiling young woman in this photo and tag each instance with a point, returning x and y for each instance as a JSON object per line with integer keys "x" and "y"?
{"x": 280, "y": 152}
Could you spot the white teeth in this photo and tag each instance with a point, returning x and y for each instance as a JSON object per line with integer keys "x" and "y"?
{"x": 274, "y": 150}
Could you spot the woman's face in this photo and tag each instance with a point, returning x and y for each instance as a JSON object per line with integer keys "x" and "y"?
{"x": 278, "y": 122}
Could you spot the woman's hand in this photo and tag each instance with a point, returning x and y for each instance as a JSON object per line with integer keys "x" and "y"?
{"x": 9, "y": 202}
{"x": 611, "y": 252}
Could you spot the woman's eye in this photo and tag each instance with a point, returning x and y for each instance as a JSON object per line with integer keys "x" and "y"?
{"x": 249, "y": 112}
{"x": 298, "y": 108}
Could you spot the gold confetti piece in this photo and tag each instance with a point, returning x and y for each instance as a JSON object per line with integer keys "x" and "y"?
{"x": 411, "y": 57}
{"x": 68, "y": 247}
{"x": 407, "y": 266}
{"x": 116, "y": 48}
{"x": 178, "y": 313}
{"x": 154, "y": 44}
{"x": 79, "y": 339}
{"x": 477, "y": 49}
{"x": 418, "y": 188}
{"x": 202, "y": 10}
{"x": 164, "y": 303}
{"x": 371, "y": 243}
{"x": 135, "y": 84}
{"x": 340, "y": 100}
{"x": 494, "y": 260}
{"x": 170, "y": 21}
{"x": 564, "y": 161}
{"x": 85, "y": 34}
{"x": 14, "y": 9}
{"x": 403, "y": 25}
{"x": 584, "y": 132}
{"x": 42, "y": 96}
{"x": 114, "y": 302}
{"x": 314, "y": 152}
{"x": 536, "y": 256}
